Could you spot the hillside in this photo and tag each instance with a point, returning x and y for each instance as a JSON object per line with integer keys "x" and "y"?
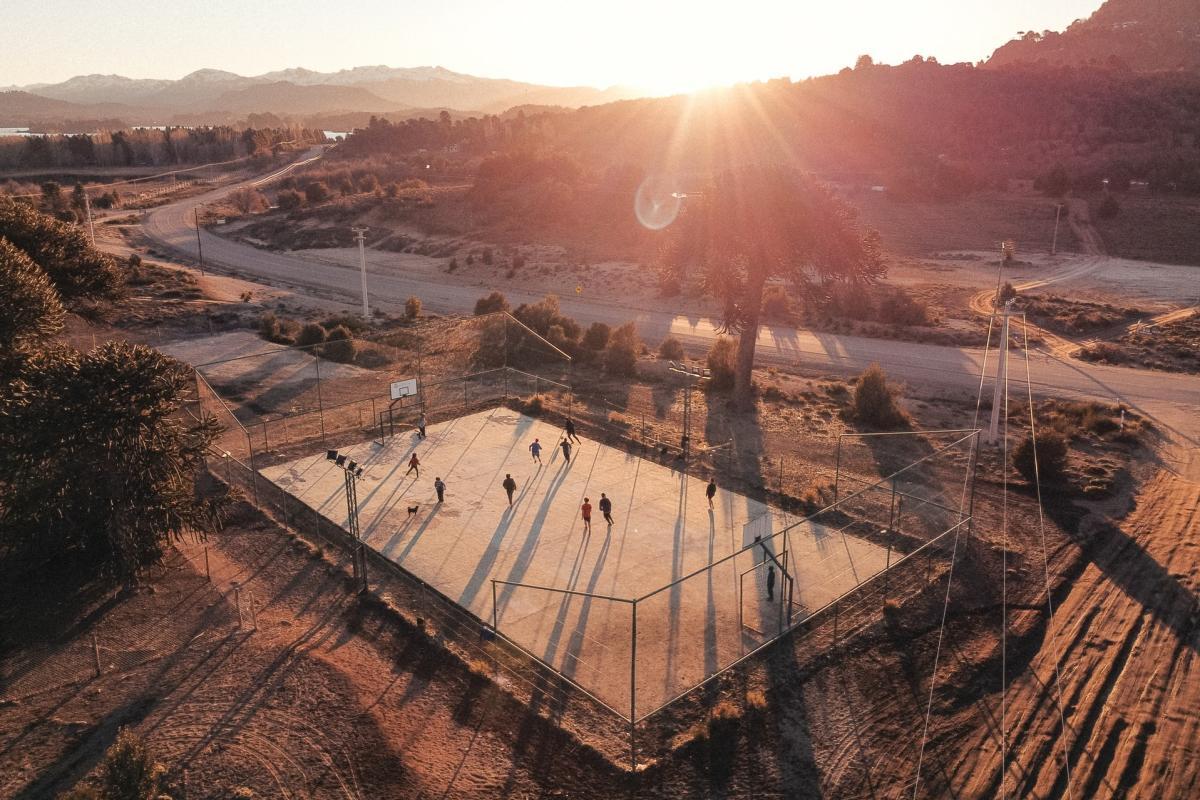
{"x": 292, "y": 99}
{"x": 1143, "y": 35}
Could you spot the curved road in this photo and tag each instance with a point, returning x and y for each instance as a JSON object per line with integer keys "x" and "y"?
{"x": 1172, "y": 400}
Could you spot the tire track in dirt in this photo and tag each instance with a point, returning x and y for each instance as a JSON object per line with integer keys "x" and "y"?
{"x": 1131, "y": 678}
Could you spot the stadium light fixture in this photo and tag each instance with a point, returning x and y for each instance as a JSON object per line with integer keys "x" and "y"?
{"x": 331, "y": 455}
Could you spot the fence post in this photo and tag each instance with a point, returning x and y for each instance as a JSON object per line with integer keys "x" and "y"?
{"x": 633, "y": 688}
{"x": 266, "y": 443}
{"x": 237, "y": 599}
{"x": 837, "y": 469}
{"x": 96, "y": 654}
{"x": 285, "y": 433}
{"x": 253, "y": 612}
{"x": 207, "y": 572}
{"x": 781, "y": 475}
{"x": 320, "y": 404}
{"x": 495, "y": 609}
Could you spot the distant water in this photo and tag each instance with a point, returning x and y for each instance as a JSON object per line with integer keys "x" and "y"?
{"x": 336, "y": 134}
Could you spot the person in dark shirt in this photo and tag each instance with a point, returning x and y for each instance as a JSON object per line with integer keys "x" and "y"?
{"x": 606, "y": 508}
{"x": 510, "y": 486}
{"x": 571, "y": 431}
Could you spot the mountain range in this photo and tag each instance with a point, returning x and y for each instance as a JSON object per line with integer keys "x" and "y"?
{"x": 215, "y": 96}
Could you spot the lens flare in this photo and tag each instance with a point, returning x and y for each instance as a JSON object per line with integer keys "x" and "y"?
{"x": 657, "y": 202}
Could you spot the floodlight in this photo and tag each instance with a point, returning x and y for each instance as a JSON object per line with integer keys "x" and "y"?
{"x": 358, "y": 472}
{"x": 330, "y": 454}
{"x": 350, "y": 465}
{"x": 341, "y": 461}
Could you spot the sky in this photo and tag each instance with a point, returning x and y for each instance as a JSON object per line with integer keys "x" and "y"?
{"x": 659, "y": 45}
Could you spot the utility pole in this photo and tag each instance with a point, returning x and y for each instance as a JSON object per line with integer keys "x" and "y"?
{"x": 1054, "y": 241}
{"x": 993, "y": 434}
{"x": 360, "y": 235}
{"x": 199, "y": 247}
{"x": 87, "y": 204}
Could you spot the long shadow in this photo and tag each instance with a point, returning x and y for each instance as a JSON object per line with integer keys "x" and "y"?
{"x": 525, "y": 554}
{"x": 575, "y": 643}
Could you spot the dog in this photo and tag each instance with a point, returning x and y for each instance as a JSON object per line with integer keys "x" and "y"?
{"x": 412, "y": 510}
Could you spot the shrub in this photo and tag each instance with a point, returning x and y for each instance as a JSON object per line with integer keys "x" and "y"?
{"x": 898, "y": 307}
{"x": 470, "y": 259}
{"x": 340, "y": 345}
{"x": 135, "y": 260}
{"x": 311, "y": 334}
{"x": 268, "y": 326}
{"x": 518, "y": 261}
{"x": 453, "y": 265}
{"x": 496, "y": 301}
{"x": 669, "y": 286}
{"x": 722, "y": 360}
{"x": 851, "y": 301}
{"x": 620, "y": 357}
{"x": 130, "y": 771}
{"x": 368, "y": 183}
{"x": 875, "y": 401}
{"x": 30, "y": 310}
{"x": 412, "y": 307}
{"x": 597, "y": 336}
{"x": 316, "y": 192}
{"x": 1051, "y": 458}
{"x": 487, "y": 256}
{"x": 1007, "y": 292}
{"x": 1109, "y": 207}
{"x": 288, "y": 200}
{"x": 775, "y": 303}
{"x": 1105, "y": 352}
{"x": 671, "y": 349}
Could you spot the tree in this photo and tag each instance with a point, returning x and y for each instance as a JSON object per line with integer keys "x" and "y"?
{"x": 77, "y": 270}
{"x": 30, "y": 310}
{"x": 620, "y": 357}
{"x": 130, "y": 769}
{"x": 721, "y": 362}
{"x": 316, "y": 192}
{"x": 412, "y": 307}
{"x": 864, "y": 62}
{"x": 98, "y": 460}
{"x": 757, "y": 223}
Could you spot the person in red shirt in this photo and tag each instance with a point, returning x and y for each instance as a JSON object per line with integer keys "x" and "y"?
{"x": 586, "y": 511}
{"x": 414, "y": 465}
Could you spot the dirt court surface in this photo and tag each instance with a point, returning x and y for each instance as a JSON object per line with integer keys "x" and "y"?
{"x": 663, "y": 530}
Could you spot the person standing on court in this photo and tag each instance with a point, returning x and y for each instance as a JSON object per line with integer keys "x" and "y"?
{"x": 566, "y": 448}
{"x": 414, "y": 465}
{"x": 510, "y": 486}
{"x": 440, "y": 487}
{"x": 711, "y": 491}
{"x": 536, "y": 450}
{"x": 771, "y": 582}
{"x": 606, "y": 508}
{"x": 586, "y": 511}
{"x": 571, "y": 431}
{"x": 421, "y": 422}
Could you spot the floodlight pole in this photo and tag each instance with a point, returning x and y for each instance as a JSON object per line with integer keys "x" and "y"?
{"x": 1001, "y": 376}
{"x": 1054, "y": 242}
{"x": 694, "y": 377}
{"x": 360, "y": 235}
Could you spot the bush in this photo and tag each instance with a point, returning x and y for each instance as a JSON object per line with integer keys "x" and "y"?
{"x": 1051, "y": 458}
{"x": 30, "y": 310}
{"x": 288, "y": 200}
{"x": 496, "y": 301}
{"x": 340, "y": 345}
{"x": 488, "y": 256}
{"x": 453, "y": 265}
{"x": 775, "y": 303}
{"x": 597, "y": 336}
{"x": 875, "y": 401}
{"x": 412, "y": 307}
{"x": 518, "y": 261}
{"x": 722, "y": 362}
{"x": 368, "y": 183}
{"x": 130, "y": 771}
{"x": 316, "y": 192}
{"x": 671, "y": 349}
{"x": 470, "y": 259}
{"x": 898, "y": 307}
{"x": 1109, "y": 207}
{"x": 1007, "y": 292}
{"x": 620, "y": 358}
{"x": 311, "y": 334}
{"x": 669, "y": 286}
{"x": 268, "y": 326}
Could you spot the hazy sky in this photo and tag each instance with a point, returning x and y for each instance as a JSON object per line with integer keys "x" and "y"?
{"x": 659, "y": 44}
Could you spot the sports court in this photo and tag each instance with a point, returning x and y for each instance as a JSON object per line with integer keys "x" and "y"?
{"x": 501, "y": 563}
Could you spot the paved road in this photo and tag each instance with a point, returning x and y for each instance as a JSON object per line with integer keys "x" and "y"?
{"x": 1173, "y": 401}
